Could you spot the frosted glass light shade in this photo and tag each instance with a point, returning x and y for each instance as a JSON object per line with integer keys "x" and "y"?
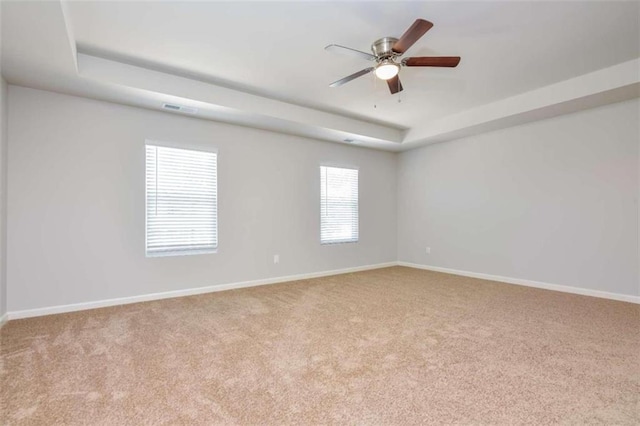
{"x": 385, "y": 71}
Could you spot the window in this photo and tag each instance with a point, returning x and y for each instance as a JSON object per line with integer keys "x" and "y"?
{"x": 182, "y": 202}
{"x": 338, "y": 205}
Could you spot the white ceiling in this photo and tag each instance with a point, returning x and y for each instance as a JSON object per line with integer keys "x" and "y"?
{"x": 275, "y": 50}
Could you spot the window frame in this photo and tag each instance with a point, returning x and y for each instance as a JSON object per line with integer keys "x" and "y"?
{"x": 188, "y": 147}
{"x": 347, "y": 167}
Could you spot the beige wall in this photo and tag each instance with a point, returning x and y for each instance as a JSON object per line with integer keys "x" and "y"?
{"x": 554, "y": 201}
{"x": 76, "y": 203}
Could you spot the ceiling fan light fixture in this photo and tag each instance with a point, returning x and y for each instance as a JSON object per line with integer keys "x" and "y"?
{"x": 386, "y": 70}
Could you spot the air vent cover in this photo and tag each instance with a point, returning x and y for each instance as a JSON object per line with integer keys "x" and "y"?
{"x": 174, "y": 107}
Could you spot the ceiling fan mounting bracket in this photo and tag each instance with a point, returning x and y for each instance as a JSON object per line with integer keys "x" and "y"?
{"x": 383, "y": 48}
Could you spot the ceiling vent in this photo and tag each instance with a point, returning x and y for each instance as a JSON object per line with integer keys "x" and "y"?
{"x": 180, "y": 108}
{"x": 352, "y": 141}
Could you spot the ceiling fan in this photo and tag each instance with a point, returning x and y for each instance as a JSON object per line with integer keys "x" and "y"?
{"x": 386, "y": 54}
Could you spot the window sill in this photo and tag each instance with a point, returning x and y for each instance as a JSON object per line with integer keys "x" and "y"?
{"x": 181, "y": 253}
{"x": 331, "y": 243}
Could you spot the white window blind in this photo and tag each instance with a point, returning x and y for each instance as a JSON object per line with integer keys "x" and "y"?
{"x": 182, "y": 201}
{"x": 338, "y": 205}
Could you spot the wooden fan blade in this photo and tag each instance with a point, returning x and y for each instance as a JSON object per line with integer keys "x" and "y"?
{"x": 432, "y": 61}
{"x": 415, "y": 31}
{"x": 349, "y": 51}
{"x": 394, "y": 85}
{"x": 351, "y": 77}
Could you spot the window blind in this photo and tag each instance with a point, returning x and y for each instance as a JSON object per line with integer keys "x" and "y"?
{"x": 182, "y": 201}
{"x": 338, "y": 205}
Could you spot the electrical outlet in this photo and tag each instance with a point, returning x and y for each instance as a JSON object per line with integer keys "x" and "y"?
{"x": 428, "y": 250}
{"x": 276, "y": 258}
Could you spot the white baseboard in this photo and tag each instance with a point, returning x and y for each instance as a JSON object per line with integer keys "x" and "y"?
{"x": 528, "y": 283}
{"x": 28, "y": 313}
{"x": 221, "y": 287}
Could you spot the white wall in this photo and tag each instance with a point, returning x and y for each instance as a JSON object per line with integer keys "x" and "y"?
{"x": 553, "y": 201}
{"x": 76, "y": 203}
{"x": 3, "y": 196}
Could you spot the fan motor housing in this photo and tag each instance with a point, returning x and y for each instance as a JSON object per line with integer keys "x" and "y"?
{"x": 382, "y": 48}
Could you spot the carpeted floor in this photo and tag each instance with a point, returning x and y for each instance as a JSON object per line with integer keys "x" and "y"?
{"x": 389, "y": 346}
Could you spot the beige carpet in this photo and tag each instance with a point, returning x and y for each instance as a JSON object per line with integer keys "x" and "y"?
{"x": 390, "y": 346}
